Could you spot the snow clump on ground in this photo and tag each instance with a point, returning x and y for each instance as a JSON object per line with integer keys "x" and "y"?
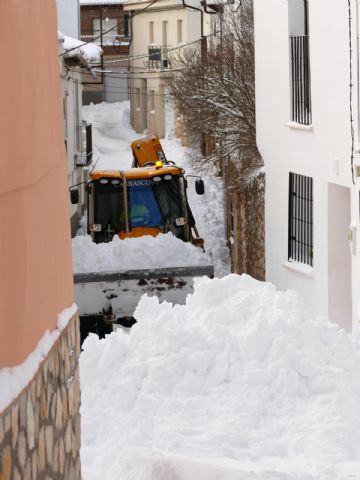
{"x": 237, "y": 384}
{"x": 208, "y": 209}
{"x": 164, "y": 250}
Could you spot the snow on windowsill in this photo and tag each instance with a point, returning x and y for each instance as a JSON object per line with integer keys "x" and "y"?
{"x": 14, "y": 379}
{"x": 299, "y": 267}
{"x": 300, "y": 126}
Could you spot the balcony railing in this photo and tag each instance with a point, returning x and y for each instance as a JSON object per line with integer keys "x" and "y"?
{"x": 108, "y": 39}
{"x": 158, "y": 58}
{"x": 300, "y": 80}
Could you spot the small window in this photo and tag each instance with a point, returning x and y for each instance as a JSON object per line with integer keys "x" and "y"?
{"x": 152, "y": 100}
{"x": 165, "y": 33}
{"x": 137, "y": 97}
{"x": 151, "y": 32}
{"x": 300, "y": 235}
{"x": 126, "y": 26}
{"x": 179, "y": 31}
{"x": 107, "y": 29}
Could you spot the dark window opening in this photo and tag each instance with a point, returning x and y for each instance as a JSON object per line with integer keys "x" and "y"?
{"x": 126, "y": 25}
{"x": 108, "y": 210}
{"x": 300, "y": 234}
{"x": 168, "y": 196}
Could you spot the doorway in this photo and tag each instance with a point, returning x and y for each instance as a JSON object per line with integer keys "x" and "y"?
{"x": 339, "y": 256}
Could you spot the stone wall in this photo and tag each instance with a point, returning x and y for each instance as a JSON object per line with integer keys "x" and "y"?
{"x": 246, "y": 223}
{"x": 40, "y": 430}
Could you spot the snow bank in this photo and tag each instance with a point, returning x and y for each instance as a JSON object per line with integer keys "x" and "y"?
{"x": 208, "y": 209}
{"x": 236, "y": 384}
{"x": 14, "y": 380}
{"x": 112, "y": 134}
{"x": 165, "y": 250}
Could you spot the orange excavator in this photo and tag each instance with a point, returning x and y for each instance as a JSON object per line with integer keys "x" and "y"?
{"x": 147, "y": 199}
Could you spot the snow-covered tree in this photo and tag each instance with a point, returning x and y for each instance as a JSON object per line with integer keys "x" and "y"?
{"x": 214, "y": 91}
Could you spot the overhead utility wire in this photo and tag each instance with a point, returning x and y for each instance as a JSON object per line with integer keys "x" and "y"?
{"x": 127, "y": 73}
{"x": 145, "y": 55}
{"x": 119, "y": 89}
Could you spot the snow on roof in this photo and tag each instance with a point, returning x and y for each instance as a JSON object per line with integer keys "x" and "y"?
{"x": 102, "y": 2}
{"x": 73, "y": 47}
{"x": 15, "y": 379}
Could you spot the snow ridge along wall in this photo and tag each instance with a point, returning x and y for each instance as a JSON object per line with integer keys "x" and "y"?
{"x": 237, "y": 383}
{"x": 40, "y": 430}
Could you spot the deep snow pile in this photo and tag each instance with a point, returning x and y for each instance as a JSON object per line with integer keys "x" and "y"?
{"x": 112, "y": 134}
{"x": 165, "y": 250}
{"x": 238, "y": 384}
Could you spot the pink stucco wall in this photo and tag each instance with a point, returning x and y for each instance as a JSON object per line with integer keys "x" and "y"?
{"x": 35, "y": 248}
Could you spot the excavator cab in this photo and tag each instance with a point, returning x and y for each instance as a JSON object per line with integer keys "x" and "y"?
{"x": 137, "y": 202}
{"x": 148, "y": 199}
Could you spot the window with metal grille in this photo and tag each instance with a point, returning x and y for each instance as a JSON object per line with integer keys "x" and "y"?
{"x": 300, "y": 80}
{"x": 84, "y": 156}
{"x": 300, "y": 62}
{"x": 300, "y": 237}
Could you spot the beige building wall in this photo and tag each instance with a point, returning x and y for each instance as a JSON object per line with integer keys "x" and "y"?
{"x": 35, "y": 251}
{"x": 40, "y": 400}
{"x": 166, "y": 24}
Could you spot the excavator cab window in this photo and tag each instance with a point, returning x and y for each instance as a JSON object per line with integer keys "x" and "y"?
{"x": 144, "y": 209}
{"x": 108, "y": 209}
{"x": 170, "y": 200}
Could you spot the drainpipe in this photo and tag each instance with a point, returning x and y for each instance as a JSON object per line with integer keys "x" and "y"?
{"x": 358, "y": 71}
{"x": 203, "y": 39}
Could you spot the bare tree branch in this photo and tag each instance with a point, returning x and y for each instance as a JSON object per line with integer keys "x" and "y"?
{"x": 216, "y": 94}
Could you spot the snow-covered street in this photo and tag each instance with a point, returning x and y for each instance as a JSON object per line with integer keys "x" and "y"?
{"x": 112, "y": 134}
{"x": 238, "y": 384}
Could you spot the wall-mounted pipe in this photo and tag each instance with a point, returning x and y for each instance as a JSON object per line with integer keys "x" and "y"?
{"x": 358, "y": 69}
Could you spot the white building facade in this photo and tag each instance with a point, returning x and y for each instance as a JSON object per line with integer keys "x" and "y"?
{"x": 77, "y": 133}
{"x": 307, "y": 55}
{"x": 68, "y": 17}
